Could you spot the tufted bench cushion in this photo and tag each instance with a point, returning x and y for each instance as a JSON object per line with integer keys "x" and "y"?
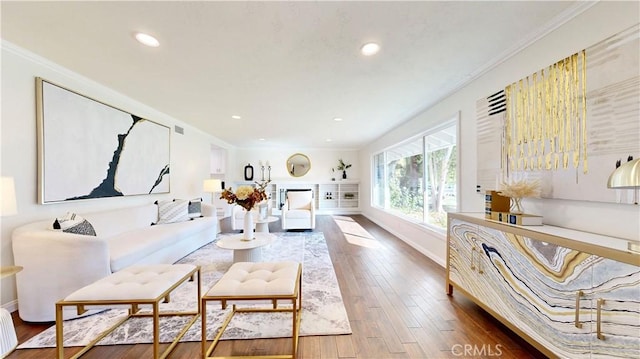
{"x": 246, "y": 282}
{"x": 257, "y": 279}
{"x": 136, "y": 282}
{"x": 133, "y": 286}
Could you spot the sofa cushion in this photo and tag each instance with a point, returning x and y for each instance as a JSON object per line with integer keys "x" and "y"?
{"x": 172, "y": 211}
{"x": 73, "y": 223}
{"x": 113, "y": 222}
{"x": 298, "y": 214}
{"x": 300, "y": 199}
{"x": 131, "y": 247}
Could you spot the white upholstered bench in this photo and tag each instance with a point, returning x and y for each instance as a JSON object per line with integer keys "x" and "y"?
{"x": 247, "y": 282}
{"x": 132, "y": 286}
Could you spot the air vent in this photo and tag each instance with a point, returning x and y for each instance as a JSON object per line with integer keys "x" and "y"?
{"x": 180, "y": 130}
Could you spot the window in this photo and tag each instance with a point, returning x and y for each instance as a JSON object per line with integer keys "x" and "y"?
{"x": 417, "y": 179}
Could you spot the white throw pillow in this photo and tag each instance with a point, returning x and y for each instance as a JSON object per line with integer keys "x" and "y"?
{"x": 173, "y": 211}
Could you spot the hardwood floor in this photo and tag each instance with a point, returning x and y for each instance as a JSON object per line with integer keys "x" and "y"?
{"x": 397, "y": 306}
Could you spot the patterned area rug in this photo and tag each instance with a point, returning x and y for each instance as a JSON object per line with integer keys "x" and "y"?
{"x": 323, "y": 308}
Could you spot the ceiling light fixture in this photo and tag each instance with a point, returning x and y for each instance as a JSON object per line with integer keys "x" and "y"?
{"x": 370, "y": 48}
{"x": 147, "y": 39}
{"x": 337, "y": 119}
{"x": 236, "y": 117}
{"x": 329, "y": 140}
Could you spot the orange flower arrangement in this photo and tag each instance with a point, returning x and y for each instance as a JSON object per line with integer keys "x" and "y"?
{"x": 246, "y": 196}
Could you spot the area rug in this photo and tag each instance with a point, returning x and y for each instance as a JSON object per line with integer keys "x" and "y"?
{"x": 323, "y": 309}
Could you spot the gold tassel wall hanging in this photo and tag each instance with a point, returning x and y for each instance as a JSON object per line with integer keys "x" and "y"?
{"x": 546, "y": 118}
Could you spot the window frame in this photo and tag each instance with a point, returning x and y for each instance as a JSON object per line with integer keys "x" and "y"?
{"x": 452, "y": 120}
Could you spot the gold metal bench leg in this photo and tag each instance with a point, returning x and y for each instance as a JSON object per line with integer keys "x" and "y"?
{"x": 59, "y": 332}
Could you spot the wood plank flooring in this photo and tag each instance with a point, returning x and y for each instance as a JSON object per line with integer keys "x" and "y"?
{"x": 397, "y": 306}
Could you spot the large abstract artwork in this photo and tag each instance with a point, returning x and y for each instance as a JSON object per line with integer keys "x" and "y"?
{"x": 567, "y": 124}
{"x": 88, "y": 149}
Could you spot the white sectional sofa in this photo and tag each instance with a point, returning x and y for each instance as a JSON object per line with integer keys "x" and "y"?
{"x": 57, "y": 263}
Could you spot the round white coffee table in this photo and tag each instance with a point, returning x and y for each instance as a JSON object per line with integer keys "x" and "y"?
{"x": 246, "y": 251}
{"x": 262, "y": 225}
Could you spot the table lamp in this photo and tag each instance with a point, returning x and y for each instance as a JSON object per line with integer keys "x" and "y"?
{"x": 8, "y": 207}
{"x": 626, "y": 176}
{"x": 213, "y": 186}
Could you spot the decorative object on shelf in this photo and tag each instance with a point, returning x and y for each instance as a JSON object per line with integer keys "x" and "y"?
{"x": 248, "y": 172}
{"x": 518, "y": 189}
{"x": 246, "y": 197}
{"x": 494, "y": 202}
{"x": 333, "y": 176}
{"x": 343, "y": 167}
{"x": 519, "y": 219}
{"x": 262, "y": 166}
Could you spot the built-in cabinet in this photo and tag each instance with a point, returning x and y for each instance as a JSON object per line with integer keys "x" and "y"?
{"x": 329, "y": 197}
{"x": 218, "y": 161}
{"x": 569, "y": 298}
{"x": 337, "y": 195}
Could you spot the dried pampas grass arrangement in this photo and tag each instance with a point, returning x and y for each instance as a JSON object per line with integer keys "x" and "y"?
{"x": 520, "y": 188}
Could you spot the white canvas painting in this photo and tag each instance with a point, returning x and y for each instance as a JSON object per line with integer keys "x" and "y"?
{"x": 92, "y": 150}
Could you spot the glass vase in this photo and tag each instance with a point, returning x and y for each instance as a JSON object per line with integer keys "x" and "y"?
{"x": 247, "y": 227}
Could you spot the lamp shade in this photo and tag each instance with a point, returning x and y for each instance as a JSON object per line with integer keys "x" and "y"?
{"x": 212, "y": 185}
{"x": 626, "y": 176}
{"x": 8, "y": 197}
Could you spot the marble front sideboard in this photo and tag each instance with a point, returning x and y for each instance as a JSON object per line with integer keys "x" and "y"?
{"x": 570, "y": 294}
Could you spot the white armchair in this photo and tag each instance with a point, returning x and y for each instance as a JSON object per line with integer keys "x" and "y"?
{"x": 299, "y": 211}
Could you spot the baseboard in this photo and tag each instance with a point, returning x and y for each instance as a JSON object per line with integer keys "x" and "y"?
{"x": 12, "y": 306}
{"x": 440, "y": 261}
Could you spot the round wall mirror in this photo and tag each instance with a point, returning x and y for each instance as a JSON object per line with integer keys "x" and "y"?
{"x": 298, "y": 165}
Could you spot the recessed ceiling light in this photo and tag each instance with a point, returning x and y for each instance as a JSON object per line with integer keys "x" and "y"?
{"x": 370, "y": 48}
{"x": 261, "y": 139}
{"x": 337, "y": 119}
{"x": 236, "y": 117}
{"x": 147, "y": 39}
{"x": 329, "y": 140}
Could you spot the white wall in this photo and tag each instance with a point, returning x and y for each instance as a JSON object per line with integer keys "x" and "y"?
{"x": 190, "y": 153}
{"x": 597, "y": 23}
{"x": 322, "y": 160}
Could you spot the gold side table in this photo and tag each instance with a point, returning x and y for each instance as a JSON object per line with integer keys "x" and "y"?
{"x": 8, "y": 338}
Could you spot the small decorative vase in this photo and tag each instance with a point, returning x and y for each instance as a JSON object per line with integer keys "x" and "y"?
{"x": 344, "y": 174}
{"x": 516, "y": 205}
{"x": 247, "y": 227}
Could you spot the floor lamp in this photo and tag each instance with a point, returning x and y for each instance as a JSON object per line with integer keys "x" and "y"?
{"x": 8, "y": 338}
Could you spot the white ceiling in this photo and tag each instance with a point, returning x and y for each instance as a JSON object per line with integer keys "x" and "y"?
{"x": 288, "y": 68}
